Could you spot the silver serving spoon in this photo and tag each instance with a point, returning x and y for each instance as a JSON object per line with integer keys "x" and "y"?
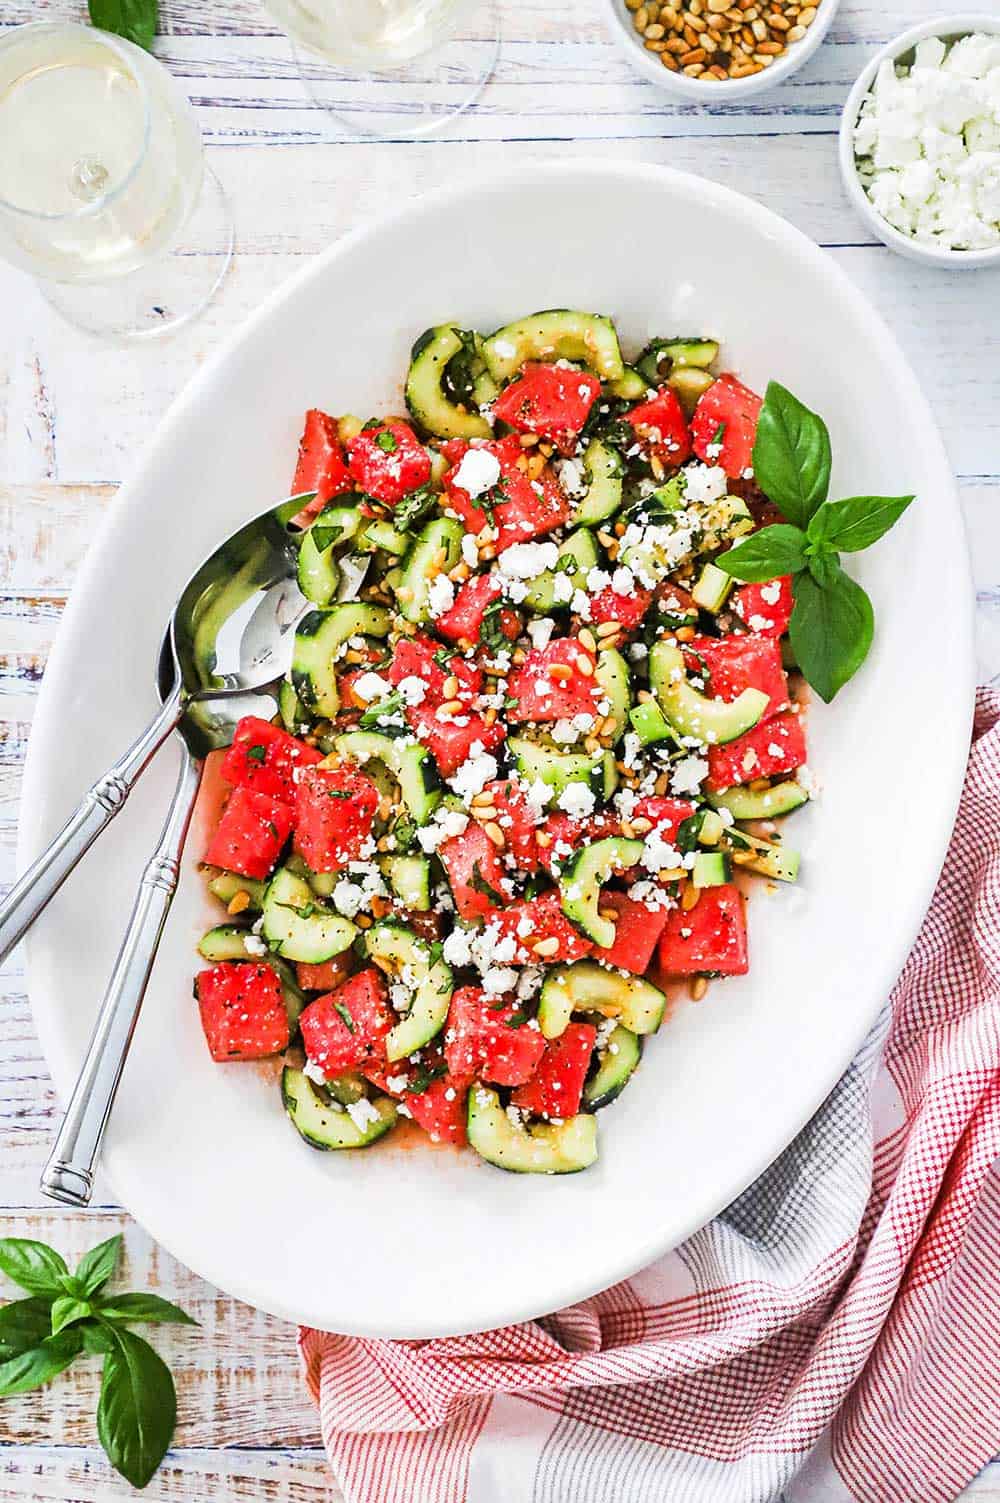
{"x": 232, "y": 623}
{"x": 230, "y": 632}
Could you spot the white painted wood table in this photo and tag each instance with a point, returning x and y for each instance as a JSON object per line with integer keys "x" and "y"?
{"x": 73, "y": 413}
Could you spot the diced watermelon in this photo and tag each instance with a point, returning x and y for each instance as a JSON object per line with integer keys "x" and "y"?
{"x": 242, "y": 1011}
{"x": 711, "y": 937}
{"x": 765, "y": 608}
{"x": 334, "y": 811}
{"x": 535, "y": 919}
{"x": 489, "y": 1038}
{"x": 562, "y": 834}
{"x": 415, "y": 657}
{"x": 464, "y": 620}
{"x": 450, "y": 740}
{"x": 519, "y": 508}
{"x": 479, "y": 883}
{"x": 440, "y": 1108}
{"x": 388, "y": 461}
{"x": 734, "y": 663}
{"x": 628, "y": 610}
{"x": 553, "y": 401}
{"x": 666, "y": 814}
{"x": 517, "y": 821}
{"x": 250, "y": 835}
{"x": 539, "y": 696}
{"x": 327, "y": 975}
{"x": 637, "y": 932}
{"x": 321, "y": 466}
{"x": 345, "y": 1028}
{"x": 724, "y": 425}
{"x": 661, "y": 428}
{"x": 557, "y": 1085}
{"x": 774, "y": 746}
{"x": 265, "y": 758}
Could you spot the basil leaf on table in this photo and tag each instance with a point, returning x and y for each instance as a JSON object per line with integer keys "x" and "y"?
{"x": 96, "y": 1266}
{"x": 856, "y": 522}
{"x": 830, "y": 630}
{"x": 135, "y": 20}
{"x": 34, "y": 1265}
{"x": 24, "y": 1323}
{"x": 67, "y": 1310}
{"x": 143, "y": 1307}
{"x": 780, "y": 549}
{"x": 791, "y": 455}
{"x": 41, "y": 1363}
{"x": 138, "y": 1406}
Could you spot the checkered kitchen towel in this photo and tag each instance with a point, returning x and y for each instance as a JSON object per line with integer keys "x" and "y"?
{"x": 834, "y": 1335}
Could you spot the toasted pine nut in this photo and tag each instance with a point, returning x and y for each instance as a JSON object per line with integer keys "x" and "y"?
{"x": 560, "y": 671}
{"x": 604, "y": 629}
{"x": 238, "y": 903}
{"x": 495, "y": 834}
{"x": 587, "y": 639}
{"x": 450, "y": 687}
{"x": 450, "y": 707}
{"x": 545, "y": 948}
{"x": 691, "y": 897}
{"x": 584, "y": 665}
{"x": 698, "y": 988}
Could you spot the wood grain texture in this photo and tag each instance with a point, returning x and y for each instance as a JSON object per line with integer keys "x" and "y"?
{"x": 74, "y": 414}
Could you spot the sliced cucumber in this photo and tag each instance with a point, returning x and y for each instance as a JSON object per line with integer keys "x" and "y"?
{"x": 377, "y": 535}
{"x": 578, "y": 554}
{"x": 616, "y": 1063}
{"x": 319, "y": 637}
{"x": 226, "y": 942}
{"x": 662, "y": 357}
{"x": 325, "y": 1124}
{"x": 556, "y": 334}
{"x": 405, "y": 759}
{"x": 711, "y": 829}
{"x": 583, "y": 877}
{"x": 318, "y": 573}
{"x": 690, "y": 385}
{"x": 712, "y": 587}
{"x": 400, "y": 953}
{"x": 765, "y": 803}
{"x": 294, "y": 714}
{"x": 605, "y": 469}
{"x": 297, "y": 927}
{"x": 724, "y": 521}
{"x": 611, "y": 672}
{"x": 225, "y": 886}
{"x": 348, "y": 1088}
{"x": 536, "y": 762}
{"x": 545, "y": 1148}
{"x": 650, "y": 724}
{"x": 779, "y": 862}
{"x": 630, "y": 386}
{"x": 409, "y": 877}
{"x": 426, "y": 397}
{"x": 586, "y": 986}
{"x": 711, "y": 869}
{"x": 444, "y": 534}
{"x": 693, "y": 713}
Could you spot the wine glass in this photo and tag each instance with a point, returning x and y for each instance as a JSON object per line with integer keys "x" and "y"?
{"x": 392, "y": 68}
{"x": 104, "y": 194}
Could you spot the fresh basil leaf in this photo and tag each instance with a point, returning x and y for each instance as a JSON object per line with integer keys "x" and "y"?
{"x": 138, "y": 1407}
{"x": 34, "y": 1265}
{"x": 824, "y": 565}
{"x": 67, "y": 1311}
{"x": 39, "y": 1364}
{"x": 376, "y": 713}
{"x": 764, "y": 555}
{"x": 856, "y": 522}
{"x": 143, "y": 1307}
{"x": 133, "y": 19}
{"x": 830, "y": 630}
{"x": 24, "y": 1323}
{"x": 96, "y": 1266}
{"x": 791, "y": 455}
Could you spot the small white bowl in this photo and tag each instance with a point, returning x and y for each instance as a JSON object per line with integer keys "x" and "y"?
{"x": 949, "y": 29}
{"x": 716, "y": 90}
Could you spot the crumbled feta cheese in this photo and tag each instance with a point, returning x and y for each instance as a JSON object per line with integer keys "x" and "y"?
{"x": 527, "y": 560}
{"x": 504, "y": 349}
{"x": 440, "y": 595}
{"x": 688, "y": 775}
{"x": 477, "y": 473}
{"x": 314, "y": 1072}
{"x": 578, "y": 800}
{"x": 413, "y": 689}
{"x": 470, "y": 553}
{"x": 476, "y": 771}
{"x": 369, "y": 686}
{"x": 457, "y": 948}
{"x": 597, "y": 580}
{"x": 254, "y": 945}
{"x": 572, "y": 477}
{"x": 540, "y": 628}
{"x": 704, "y": 484}
{"x": 363, "y": 1113}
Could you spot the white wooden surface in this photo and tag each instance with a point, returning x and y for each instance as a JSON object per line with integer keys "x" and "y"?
{"x": 73, "y": 413}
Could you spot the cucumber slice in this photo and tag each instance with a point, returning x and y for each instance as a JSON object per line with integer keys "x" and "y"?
{"x": 347, "y": 1088}
{"x": 583, "y": 877}
{"x": 406, "y": 760}
{"x": 586, "y": 986}
{"x": 611, "y": 672}
{"x": 383, "y": 535}
{"x": 325, "y": 1124}
{"x": 662, "y": 357}
{"x": 443, "y": 533}
{"x": 711, "y": 589}
{"x": 690, "y": 384}
{"x": 630, "y": 386}
{"x": 605, "y": 469}
{"x": 616, "y": 1063}
{"x": 400, "y": 953}
{"x": 650, "y": 724}
{"x": 296, "y": 927}
{"x": 779, "y": 862}
{"x": 426, "y": 398}
{"x": 537, "y": 762}
{"x": 724, "y": 521}
{"x": 711, "y": 869}
{"x": 555, "y": 334}
{"x": 318, "y": 573}
{"x": 225, "y": 886}
{"x": 409, "y": 877}
{"x": 228, "y": 942}
{"x": 694, "y": 714}
{"x": 318, "y": 639}
{"x": 766, "y": 803}
{"x": 294, "y": 714}
{"x": 545, "y": 1148}
{"x": 711, "y": 829}
{"x": 577, "y": 556}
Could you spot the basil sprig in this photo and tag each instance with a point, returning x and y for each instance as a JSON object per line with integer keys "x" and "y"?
{"x": 832, "y": 620}
{"x": 135, "y": 20}
{"x": 69, "y": 1314}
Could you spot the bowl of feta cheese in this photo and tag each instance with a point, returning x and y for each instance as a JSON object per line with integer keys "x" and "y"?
{"x": 920, "y": 142}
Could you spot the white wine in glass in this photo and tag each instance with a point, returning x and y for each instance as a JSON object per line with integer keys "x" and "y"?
{"x": 103, "y": 183}
{"x": 391, "y": 67}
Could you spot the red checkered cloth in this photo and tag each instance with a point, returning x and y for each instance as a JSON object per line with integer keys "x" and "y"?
{"x": 833, "y": 1335}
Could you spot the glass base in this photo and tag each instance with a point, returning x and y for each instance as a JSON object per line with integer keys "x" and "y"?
{"x": 170, "y": 291}
{"x": 415, "y": 100}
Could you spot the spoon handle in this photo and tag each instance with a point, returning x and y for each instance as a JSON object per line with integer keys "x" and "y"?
{"x": 93, "y": 814}
{"x": 69, "y": 1174}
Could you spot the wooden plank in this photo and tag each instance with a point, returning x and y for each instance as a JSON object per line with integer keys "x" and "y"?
{"x": 62, "y": 1474}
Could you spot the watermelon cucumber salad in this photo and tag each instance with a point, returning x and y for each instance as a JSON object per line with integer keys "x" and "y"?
{"x": 513, "y": 780}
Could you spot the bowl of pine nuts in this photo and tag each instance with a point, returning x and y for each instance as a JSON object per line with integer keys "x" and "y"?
{"x": 703, "y": 50}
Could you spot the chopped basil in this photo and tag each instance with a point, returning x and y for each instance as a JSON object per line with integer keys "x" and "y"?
{"x": 256, "y": 753}
{"x": 387, "y": 441}
{"x": 345, "y": 1013}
